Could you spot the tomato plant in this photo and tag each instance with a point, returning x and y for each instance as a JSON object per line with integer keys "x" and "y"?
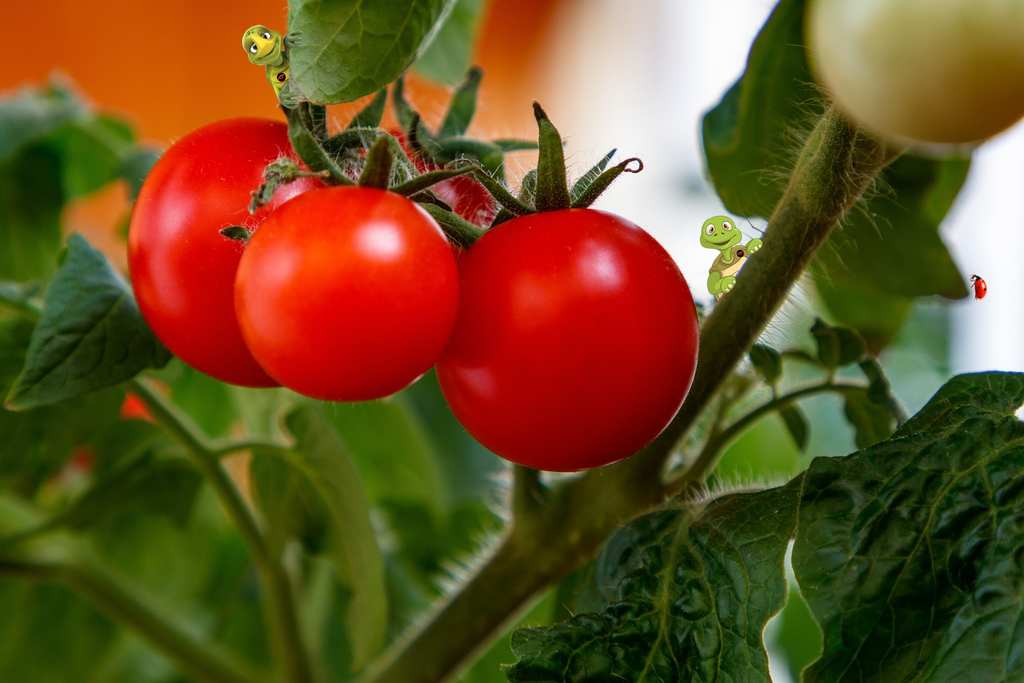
{"x": 182, "y": 268}
{"x": 347, "y": 294}
{"x": 576, "y": 340}
{"x": 933, "y": 72}
{"x": 346, "y": 357}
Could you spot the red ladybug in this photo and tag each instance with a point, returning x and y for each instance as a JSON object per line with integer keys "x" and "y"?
{"x": 980, "y": 287}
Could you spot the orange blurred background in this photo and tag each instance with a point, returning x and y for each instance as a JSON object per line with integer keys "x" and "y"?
{"x": 171, "y": 67}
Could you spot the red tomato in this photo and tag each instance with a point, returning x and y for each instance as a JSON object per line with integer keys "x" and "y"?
{"x": 133, "y": 408}
{"x": 576, "y": 340}
{"x": 182, "y": 268}
{"x": 347, "y": 294}
{"x": 467, "y": 197}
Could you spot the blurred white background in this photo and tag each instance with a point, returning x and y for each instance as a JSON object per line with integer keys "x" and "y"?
{"x": 670, "y": 63}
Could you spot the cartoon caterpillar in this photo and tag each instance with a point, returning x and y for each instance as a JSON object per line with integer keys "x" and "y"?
{"x": 720, "y": 233}
{"x": 269, "y": 49}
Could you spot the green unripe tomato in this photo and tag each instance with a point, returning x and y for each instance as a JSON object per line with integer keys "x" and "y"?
{"x": 928, "y": 71}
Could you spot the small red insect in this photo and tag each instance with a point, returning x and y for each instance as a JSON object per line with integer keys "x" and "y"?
{"x": 980, "y": 287}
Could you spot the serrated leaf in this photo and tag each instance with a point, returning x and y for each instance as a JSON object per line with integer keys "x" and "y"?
{"x": 888, "y": 249}
{"x": 909, "y": 552}
{"x": 32, "y": 114}
{"x": 91, "y": 334}
{"x": 767, "y": 361}
{"x": 796, "y": 424}
{"x": 687, "y": 600}
{"x": 318, "y": 496}
{"x": 448, "y": 56}
{"x": 344, "y": 49}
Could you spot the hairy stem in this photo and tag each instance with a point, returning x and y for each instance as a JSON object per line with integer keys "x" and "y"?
{"x": 836, "y": 165}
{"x": 190, "y": 654}
{"x": 280, "y": 607}
{"x": 705, "y": 462}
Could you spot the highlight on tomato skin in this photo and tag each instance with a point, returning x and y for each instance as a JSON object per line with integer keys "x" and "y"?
{"x": 347, "y": 293}
{"x": 576, "y": 341}
{"x": 182, "y": 268}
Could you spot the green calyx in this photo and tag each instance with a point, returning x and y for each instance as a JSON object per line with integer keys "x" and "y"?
{"x": 546, "y": 188}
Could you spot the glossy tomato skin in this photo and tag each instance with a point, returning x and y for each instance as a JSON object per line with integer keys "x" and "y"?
{"x": 347, "y": 293}
{"x": 182, "y": 268}
{"x": 576, "y": 340}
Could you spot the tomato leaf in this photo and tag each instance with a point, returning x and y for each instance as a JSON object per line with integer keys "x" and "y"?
{"x": 872, "y": 421}
{"x": 888, "y": 250}
{"x": 686, "y": 599}
{"x": 907, "y": 552}
{"x": 767, "y": 361}
{"x": 796, "y": 424}
{"x": 52, "y": 149}
{"x": 837, "y": 346}
{"x": 318, "y": 496}
{"x": 389, "y": 444}
{"x": 343, "y": 50}
{"x": 90, "y": 335}
{"x": 448, "y": 56}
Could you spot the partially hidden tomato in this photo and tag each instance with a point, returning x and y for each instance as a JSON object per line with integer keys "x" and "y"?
{"x": 182, "y": 268}
{"x": 931, "y": 71}
{"x": 576, "y": 340}
{"x": 347, "y": 293}
{"x": 466, "y": 196}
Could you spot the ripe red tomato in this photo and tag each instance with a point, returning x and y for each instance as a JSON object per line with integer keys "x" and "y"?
{"x": 467, "y": 197}
{"x": 347, "y": 293}
{"x": 576, "y": 340}
{"x": 182, "y": 268}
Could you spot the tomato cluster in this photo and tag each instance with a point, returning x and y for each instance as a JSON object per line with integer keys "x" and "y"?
{"x": 563, "y": 340}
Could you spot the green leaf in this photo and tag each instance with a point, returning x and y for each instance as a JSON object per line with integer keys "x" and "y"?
{"x": 796, "y": 424}
{"x": 872, "y": 421}
{"x": 767, "y": 361}
{"x": 394, "y": 454}
{"x": 888, "y": 249}
{"x": 318, "y": 496}
{"x": 908, "y": 552}
{"x": 588, "y": 178}
{"x": 142, "y": 487}
{"x": 91, "y": 334}
{"x": 687, "y": 599}
{"x": 449, "y": 54}
{"x": 52, "y": 149}
{"x": 837, "y": 346}
{"x": 31, "y": 199}
{"x": 344, "y": 49}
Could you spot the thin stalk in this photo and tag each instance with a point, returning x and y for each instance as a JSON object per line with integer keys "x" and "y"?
{"x": 716, "y": 444}
{"x": 281, "y": 609}
{"x": 190, "y": 654}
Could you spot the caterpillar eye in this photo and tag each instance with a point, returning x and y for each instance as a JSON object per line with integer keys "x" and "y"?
{"x": 253, "y": 49}
{"x": 726, "y": 225}
{"x": 266, "y": 35}
{"x": 710, "y": 230}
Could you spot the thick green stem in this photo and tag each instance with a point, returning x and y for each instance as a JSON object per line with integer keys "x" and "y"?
{"x": 834, "y": 168}
{"x": 191, "y": 655}
{"x": 286, "y": 634}
{"x": 837, "y": 164}
{"x": 543, "y": 545}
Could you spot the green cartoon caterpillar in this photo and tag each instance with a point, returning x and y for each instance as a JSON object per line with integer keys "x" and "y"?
{"x": 269, "y": 49}
{"x": 720, "y": 233}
